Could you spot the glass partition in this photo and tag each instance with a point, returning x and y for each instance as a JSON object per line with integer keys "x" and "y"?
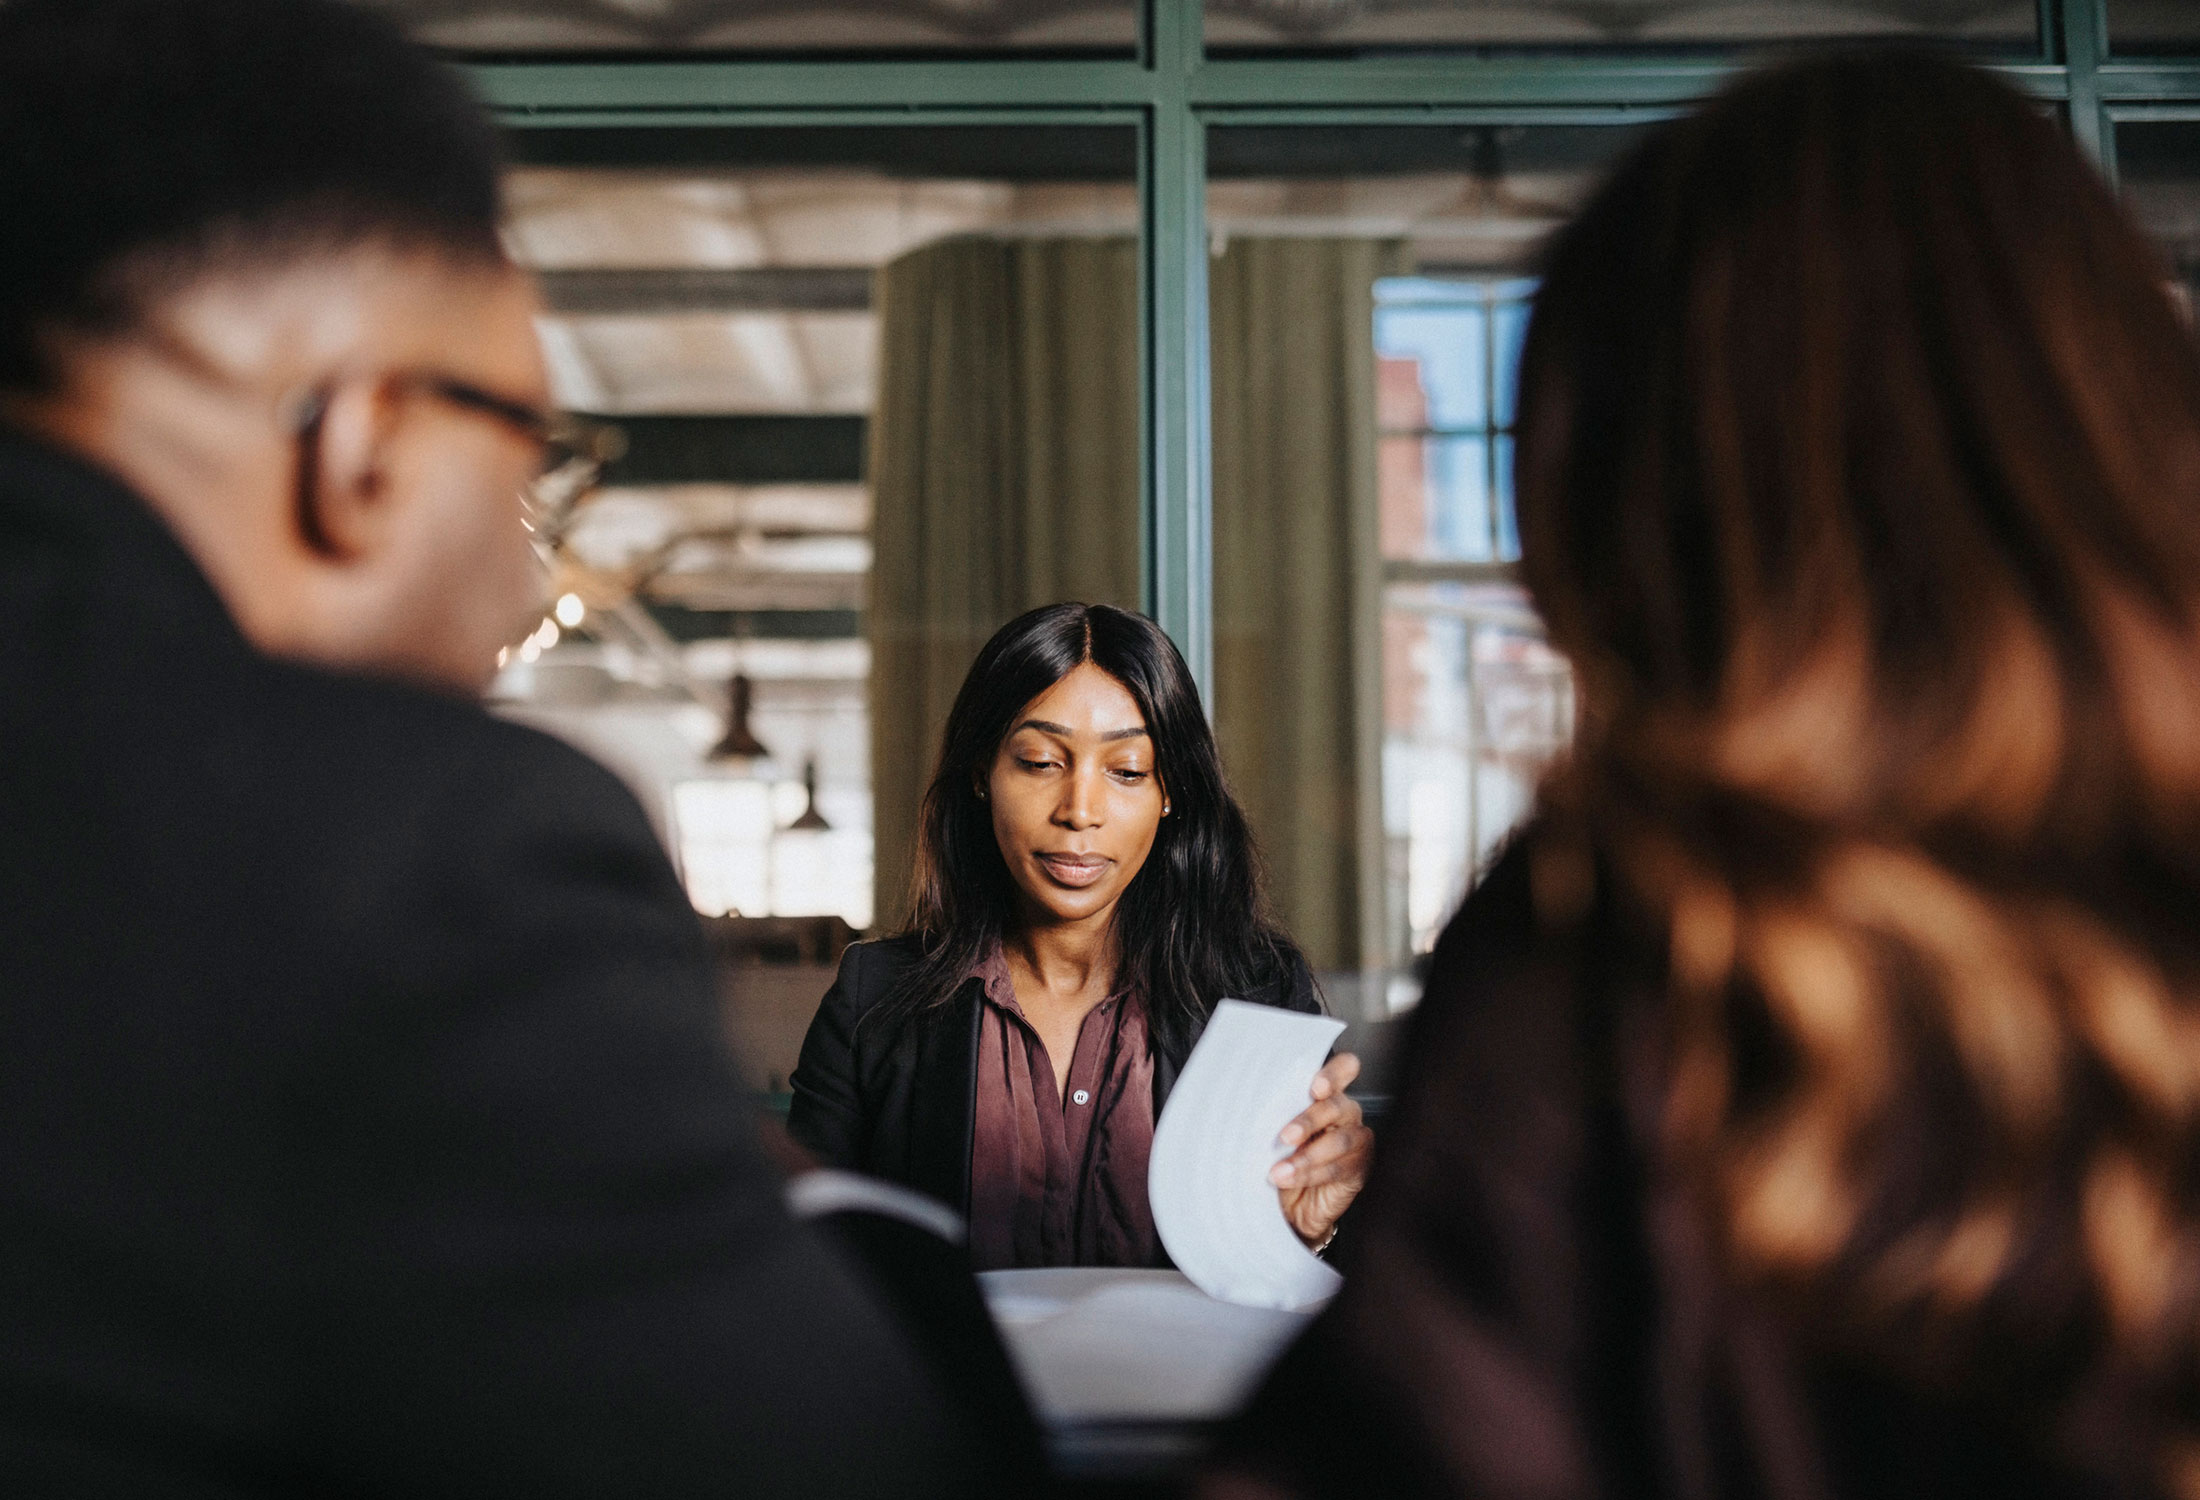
{"x": 791, "y": 326}
{"x": 2140, "y": 28}
{"x": 878, "y": 393}
{"x": 1383, "y": 692}
{"x": 2159, "y": 166}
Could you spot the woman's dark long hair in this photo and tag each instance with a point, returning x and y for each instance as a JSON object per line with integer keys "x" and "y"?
{"x": 1859, "y": 476}
{"x": 1192, "y": 928}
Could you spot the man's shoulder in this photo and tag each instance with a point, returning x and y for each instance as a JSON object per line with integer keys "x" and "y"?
{"x": 129, "y": 666}
{"x": 409, "y": 740}
{"x": 389, "y": 792}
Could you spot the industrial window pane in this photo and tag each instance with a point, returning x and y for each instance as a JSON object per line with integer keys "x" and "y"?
{"x": 2140, "y": 28}
{"x": 1271, "y": 25}
{"x": 879, "y": 392}
{"x": 1508, "y": 332}
{"x": 1446, "y": 352}
{"x": 1443, "y": 499}
{"x": 1446, "y": 344}
{"x": 1508, "y": 520}
{"x": 1448, "y": 487}
{"x": 1383, "y": 694}
{"x": 2158, "y": 163}
{"x": 1475, "y": 705}
{"x": 771, "y": 26}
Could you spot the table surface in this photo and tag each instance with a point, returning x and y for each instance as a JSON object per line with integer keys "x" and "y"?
{"x": 1128, "y": 1370}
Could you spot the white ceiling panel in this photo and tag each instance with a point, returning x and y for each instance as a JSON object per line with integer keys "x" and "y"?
{"x": 577, "y": 218}
{"x": 620, "y": 527}
{"x": 767, "y": 25}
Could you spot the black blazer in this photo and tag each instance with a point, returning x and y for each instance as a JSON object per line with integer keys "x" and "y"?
{"x": 899, "y": 1100}
{"x": 365, "y": 1124}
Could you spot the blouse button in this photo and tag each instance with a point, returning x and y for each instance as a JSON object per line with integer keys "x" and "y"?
{"x": 1080, "y": 1097}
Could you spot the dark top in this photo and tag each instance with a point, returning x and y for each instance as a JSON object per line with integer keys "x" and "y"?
{"x": 1058, "y": 1174}
{"x": 367, "y": 1127}
{"x": 896, "y": 1096}
{"x": 1536, "y": 1310}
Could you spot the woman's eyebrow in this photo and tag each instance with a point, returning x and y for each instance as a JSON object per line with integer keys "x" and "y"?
{"x": 1063, "y": 731}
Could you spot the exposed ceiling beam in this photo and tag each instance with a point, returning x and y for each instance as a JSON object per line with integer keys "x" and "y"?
{"x": 627, "y": 293}
{"x": 996, "y": 153}
{"x": 739, "y": 450}
{"x": 684, "y": 624}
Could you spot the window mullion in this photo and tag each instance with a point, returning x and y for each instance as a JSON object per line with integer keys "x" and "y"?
{"x": 1178, "y": 510}
{"x": 2084, "y": 46}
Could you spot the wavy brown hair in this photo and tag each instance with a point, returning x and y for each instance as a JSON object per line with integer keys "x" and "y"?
{"x": 1859, "y": 477}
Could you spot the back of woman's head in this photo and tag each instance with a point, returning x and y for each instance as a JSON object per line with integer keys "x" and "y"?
{"x": 1191, "y": 928}
{"x": 1859, "y": 476}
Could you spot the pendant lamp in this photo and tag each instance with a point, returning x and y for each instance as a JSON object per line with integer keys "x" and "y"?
{"x": 740, "y": 741}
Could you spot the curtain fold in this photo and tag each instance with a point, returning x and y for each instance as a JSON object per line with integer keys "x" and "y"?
{"x": 1004, "y": 470}
{"x": 1298, "y": 577}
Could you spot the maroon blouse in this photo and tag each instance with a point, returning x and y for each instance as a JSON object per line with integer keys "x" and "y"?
{"x": 1060, "y": 1180}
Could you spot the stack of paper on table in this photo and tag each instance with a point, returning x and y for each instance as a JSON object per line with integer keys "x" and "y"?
{"x": 1099, "y": 1346}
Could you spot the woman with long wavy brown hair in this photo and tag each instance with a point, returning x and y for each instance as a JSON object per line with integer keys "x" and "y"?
{"x": 1809, "y": 1103}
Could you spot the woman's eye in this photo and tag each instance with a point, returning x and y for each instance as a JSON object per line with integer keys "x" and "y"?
{"x": 1132, "y": 778}
{"x": 1033, "y": 765}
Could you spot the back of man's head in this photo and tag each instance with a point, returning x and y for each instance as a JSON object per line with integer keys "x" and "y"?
{"x": 145, "y": 141}
{"x": 249, "y": 267}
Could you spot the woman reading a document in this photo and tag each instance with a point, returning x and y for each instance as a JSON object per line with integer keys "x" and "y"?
{"x": 1086, "y": 892}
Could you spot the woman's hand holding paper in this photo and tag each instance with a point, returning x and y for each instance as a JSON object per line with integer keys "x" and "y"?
{"x": 1328, "y": 1166}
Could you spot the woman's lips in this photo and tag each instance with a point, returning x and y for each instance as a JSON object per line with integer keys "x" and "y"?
{"x": 1073, "y": 870}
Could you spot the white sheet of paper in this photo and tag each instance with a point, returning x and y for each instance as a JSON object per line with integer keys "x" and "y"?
{"x": 1207, "y": 1179}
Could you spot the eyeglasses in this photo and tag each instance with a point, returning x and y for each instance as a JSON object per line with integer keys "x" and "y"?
{"x": 575, "y": 451}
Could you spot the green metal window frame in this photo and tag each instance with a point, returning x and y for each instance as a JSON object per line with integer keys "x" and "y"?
{"x": 1172, "y": 92}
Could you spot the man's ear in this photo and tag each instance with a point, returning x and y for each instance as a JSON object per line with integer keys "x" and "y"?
{"x": 344, "y": 494}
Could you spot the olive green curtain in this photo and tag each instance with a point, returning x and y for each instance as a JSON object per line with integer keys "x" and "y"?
{"x": 1298, "y": 577}
{"x": 1004, "y": 475}
{"x": 1004, "y": 471}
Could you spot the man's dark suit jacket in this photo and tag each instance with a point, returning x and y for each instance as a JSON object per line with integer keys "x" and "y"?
{"x": 365, "y": 1126}
{"x": 897, "y": 1097}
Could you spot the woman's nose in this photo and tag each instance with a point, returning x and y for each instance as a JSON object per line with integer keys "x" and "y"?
{"x": 1080, "y": 804}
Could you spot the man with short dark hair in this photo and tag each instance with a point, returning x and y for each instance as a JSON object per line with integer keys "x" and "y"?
{"x": 364, "y": 1127}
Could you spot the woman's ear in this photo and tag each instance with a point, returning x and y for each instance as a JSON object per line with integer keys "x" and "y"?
{"x": 344, "y": 492}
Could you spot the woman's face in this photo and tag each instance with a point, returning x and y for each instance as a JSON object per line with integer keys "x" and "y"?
{"x": 1075, "y": 797}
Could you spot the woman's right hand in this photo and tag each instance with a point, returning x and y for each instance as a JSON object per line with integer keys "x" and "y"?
{"x": 1318, "y": 1181}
